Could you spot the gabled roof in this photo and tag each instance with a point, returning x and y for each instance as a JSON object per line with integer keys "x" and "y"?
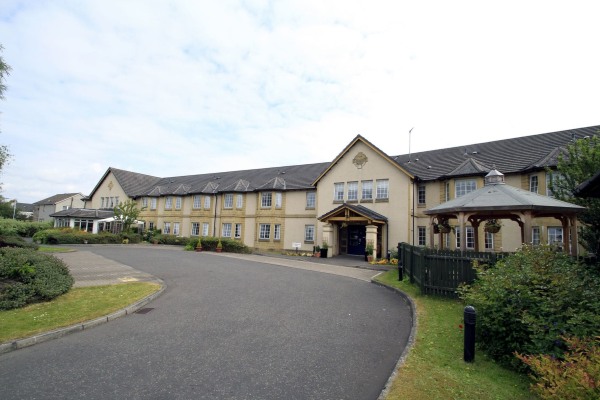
{"x": 132, "y": 183}
{"x": 357, "y": 139}
{"x": 55, "y": 199}
{"x": 511, "y": 156}
{"x": 358, "y": 209}
{"x": 469, "y": 167}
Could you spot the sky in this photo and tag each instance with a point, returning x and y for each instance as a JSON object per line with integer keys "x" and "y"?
{"x": 170, "y": 88}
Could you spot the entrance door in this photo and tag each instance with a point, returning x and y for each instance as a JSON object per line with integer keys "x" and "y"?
{"x": 357, "y": 239}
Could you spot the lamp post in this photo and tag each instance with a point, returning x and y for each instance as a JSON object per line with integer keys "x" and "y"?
{"x": 14, "y": 208}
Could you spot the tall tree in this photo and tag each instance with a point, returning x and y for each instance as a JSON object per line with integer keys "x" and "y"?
{"x": 4, "y": 72}
{"x": 581, "y": 162}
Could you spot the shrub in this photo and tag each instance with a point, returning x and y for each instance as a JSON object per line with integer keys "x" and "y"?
{"x": 577, "y": 376}
{"x": 75, "y": 236}
{"x": 22, "y": 228}
{"x": 529, "y": 300}
{"x": 16, "y": 241}
{"x": 27, "y": 276}
{"x": 210, "y": 243}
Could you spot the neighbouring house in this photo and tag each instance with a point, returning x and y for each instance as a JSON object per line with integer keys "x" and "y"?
{"x": 25, "y": 210}
{"x": 59, "y": 202}
{"x": 362, "y": 196}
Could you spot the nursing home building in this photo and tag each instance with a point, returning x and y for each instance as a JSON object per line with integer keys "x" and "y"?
{"x": 363, "y": 195}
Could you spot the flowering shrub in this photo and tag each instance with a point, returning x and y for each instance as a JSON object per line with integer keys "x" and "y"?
{"x": 576, "y": 376}
{"x": 529, "y": 300}
{"x": 384, "y": 261}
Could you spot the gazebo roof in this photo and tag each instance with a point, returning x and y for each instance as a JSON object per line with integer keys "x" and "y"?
{"x": 502, "y": 197}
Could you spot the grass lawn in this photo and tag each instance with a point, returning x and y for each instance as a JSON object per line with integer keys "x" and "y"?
{"x": 53, "y": 249}
{"x": 78, "y": 305}
{"x": 435, "y": 368}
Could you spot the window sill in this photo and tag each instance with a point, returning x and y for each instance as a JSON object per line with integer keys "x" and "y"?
{"x": 366, "y": 201}
{"x": 338, "y": 201}
{"x": 309, "y": 208}
{"x": 309, "y": 242}
{"x": 421, "y": 205}
{"x": 387, "y": 200}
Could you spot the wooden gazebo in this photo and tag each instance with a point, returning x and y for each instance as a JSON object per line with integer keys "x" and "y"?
{"x": 496, "y": 200}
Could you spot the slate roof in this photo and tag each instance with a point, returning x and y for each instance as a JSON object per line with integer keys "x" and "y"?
{"x": 294, "y": 177}
{"x": 25, "y": 207}
{"x": 83, "y": 213}
{"x": 498, "y": 197}
{"x": 509, "y": 156}
{"x": 54, "y": 199}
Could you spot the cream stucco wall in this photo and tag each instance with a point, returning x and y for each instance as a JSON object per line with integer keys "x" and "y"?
{"x": 108, "y": 188}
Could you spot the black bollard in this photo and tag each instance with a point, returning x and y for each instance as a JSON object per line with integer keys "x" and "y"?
{"x": 470, "y": 317}
{"x": 400, "y": 271}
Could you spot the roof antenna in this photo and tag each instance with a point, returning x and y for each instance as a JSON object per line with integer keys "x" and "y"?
{"x": 409, "y": 135}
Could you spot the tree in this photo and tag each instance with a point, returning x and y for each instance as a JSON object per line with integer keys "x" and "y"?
{"x": 127, "y": 212}
{"x": 581, "y": 162}
{"x": 4, "y": 72}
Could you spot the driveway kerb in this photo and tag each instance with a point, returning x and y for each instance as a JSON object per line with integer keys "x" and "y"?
{"x": 130, "y": 309}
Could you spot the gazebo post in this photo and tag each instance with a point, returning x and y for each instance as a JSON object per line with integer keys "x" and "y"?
{"x": 431, "y": 233}
{"x": 463, "y": 234}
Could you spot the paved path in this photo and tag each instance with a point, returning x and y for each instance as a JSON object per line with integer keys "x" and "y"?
{"x": 226, "y": 327}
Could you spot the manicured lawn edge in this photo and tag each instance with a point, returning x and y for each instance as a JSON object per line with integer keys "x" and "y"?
{"x": 57, "y": 333}
{"x": 411, "y": 337}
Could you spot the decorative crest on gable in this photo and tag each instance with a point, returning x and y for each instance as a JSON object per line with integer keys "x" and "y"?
{"x": 360, "y": 160}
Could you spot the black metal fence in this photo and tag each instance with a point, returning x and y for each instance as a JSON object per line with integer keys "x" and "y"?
{"x": 440, "y": 272}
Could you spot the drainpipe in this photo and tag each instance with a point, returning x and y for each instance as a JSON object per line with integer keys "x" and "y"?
{"x": 215, "y": 218}
{"x": 412, "y": 233}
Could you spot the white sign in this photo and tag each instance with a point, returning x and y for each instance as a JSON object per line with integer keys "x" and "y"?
{"x": 296, "y": 245}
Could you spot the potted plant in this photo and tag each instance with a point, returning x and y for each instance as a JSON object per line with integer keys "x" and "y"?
{"x": 324, "y": 249}
{"x": 369, "y": 249}
{"x": 219, "y": 246}
{"x": 493, "y": 226}
{"x": 199, "y": 245}
{"x": 317, "y": 252}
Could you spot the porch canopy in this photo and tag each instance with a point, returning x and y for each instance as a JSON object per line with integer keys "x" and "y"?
{"x": 496, "y": 200}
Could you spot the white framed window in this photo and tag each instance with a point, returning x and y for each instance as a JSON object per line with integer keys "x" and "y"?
{"x": 195, "y": 228}
{"x": 240, "y": 201}
{"x": 555, "y": 235}
{"x": 311, "y": 200}
{"x": 168, "y": 203}
{"x": 470, "y": 237}
{"x": 533, "y": 183}
{"x": 197, "y": 201}
{"x": 447, "y": 191}
{"x": 264, "y": 231}
{"x": 207, "y": 202}
{"x": 552, "y": 178}
{"x": 228, "y": 201}
{"x": 144, "y": 202}
{"x": 277, "y": 232}
{"x": 238, "y": 231}
{"x": 422, "y": 235}
{"x": 383, "y": 188}
{"x": 175, "y": 228}
{"x": 421, "y": 194}
{"x": 112, "y": 202}
{"x": 167, "y": 228}
{"x": 309, "y": 233}
{"x": 178, "y": 203}
{"x": 464, "y": 186}
{"x": 153, "y": 203}
{"x": 101, "y": 202}
{"x": 151, "y": 226}
{"x": 266, "y": 199}
{"x": 205, "y": 229}
{"x": 536, "y": 236}
{"x": 117, "y": 200}
{"x": 367, "y": 190}
{"x": 226, "y": 232}
{"x": 338, "y": 191}
{"x": 489, "y": 241}
{"x": 65, "y": 207}
{"x": 278, "y": 199}
{"x": 352, "y": 191}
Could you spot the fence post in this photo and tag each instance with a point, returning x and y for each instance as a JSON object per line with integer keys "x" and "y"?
{"x": 470, "y": 317}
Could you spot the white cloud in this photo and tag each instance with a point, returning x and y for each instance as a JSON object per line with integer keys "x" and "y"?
{"x": 174, "y": 88}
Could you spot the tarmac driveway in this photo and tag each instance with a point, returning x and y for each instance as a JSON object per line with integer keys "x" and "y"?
{"x": 225, "y": 328}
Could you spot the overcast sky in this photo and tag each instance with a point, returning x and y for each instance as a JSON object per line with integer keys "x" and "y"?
{"x": 190, "y": 87}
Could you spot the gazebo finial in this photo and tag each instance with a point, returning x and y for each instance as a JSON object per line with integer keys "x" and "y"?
{"x": 494, "y": 177}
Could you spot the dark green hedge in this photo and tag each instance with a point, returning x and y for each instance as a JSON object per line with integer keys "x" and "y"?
{"x": 74, "y": 236}
{"x": 209, "y": 243}
{"x": 27, "y": 276}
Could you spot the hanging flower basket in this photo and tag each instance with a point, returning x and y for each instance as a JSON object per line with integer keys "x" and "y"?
{"x": 493, "y": 226}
